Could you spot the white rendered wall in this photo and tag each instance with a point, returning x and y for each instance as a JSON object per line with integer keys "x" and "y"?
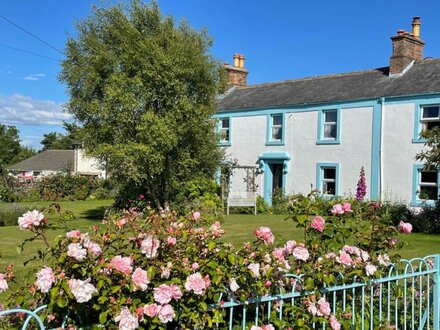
{"x": 88, "y": 165}
{"x": 249, "y": 138}
{"x": 398, "y": 154}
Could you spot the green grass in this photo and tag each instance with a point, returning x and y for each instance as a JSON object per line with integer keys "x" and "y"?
{"x": 239, "y": 229}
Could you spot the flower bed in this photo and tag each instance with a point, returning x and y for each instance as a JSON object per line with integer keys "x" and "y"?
{"x": 149, "y": 270}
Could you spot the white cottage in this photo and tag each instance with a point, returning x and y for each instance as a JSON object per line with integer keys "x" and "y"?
{"x": 320, "y": 131}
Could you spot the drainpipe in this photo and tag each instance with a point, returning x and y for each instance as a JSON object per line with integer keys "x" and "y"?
{"x": 382, "y": 101}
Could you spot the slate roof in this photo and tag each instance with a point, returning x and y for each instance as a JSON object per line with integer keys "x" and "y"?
{"x": 49, "y": 160}
{"x": 421, "y": 78}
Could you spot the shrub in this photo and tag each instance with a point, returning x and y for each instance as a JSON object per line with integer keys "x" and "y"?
{"x": 9, "y": 214}
{"x": 155, "y": 270}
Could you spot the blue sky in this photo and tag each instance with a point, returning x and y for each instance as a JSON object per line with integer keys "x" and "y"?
{"x": 280, "y": 39}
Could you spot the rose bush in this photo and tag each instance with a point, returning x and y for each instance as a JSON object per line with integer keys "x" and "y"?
{"x": 149, "y": 270}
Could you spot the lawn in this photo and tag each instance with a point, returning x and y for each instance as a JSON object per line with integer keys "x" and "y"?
{"x": 239, "y": 229}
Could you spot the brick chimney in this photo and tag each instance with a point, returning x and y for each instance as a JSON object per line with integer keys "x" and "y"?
{"x": 406, "y": 48}
{"x": 237, "y": 74}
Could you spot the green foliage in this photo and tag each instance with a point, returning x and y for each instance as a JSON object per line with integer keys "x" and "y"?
{"x": 262, "y": 206}
{"x": 58, "y": 141}
{"x": 9, "y": 214}
{"x": 11, "y": 151}
{"x": 430, "y": 154}
{"x": 143, "y": 90}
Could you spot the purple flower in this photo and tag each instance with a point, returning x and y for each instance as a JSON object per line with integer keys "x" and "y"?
{"x": 361, "y": 189}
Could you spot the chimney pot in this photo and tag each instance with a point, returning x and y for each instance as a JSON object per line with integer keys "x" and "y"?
{"x": 416, "y": 27}
{"x": 400, "y": 32}
{"x": 236, "y": 60}
{"x": 241, "y": 61}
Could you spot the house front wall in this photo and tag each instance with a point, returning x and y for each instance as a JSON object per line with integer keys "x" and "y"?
{"x": 302, "y": 152}
{"x": 380, "y": 135}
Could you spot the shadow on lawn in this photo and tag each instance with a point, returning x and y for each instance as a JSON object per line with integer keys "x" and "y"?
{"x": 94, "y": 214}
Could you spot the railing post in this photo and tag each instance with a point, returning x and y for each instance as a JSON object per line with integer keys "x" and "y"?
{"x": 436, "y": 302}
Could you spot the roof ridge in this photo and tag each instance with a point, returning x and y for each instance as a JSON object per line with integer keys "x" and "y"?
{"x": 315, "y": 77}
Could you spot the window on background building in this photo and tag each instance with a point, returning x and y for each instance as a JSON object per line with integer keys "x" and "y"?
{"x": 277, "y": 127}
{"x": 428, "y": 185}
{"x": 430, "y": 117}
{"x": 225, "y": 132}
{"x": 330, "y": 124}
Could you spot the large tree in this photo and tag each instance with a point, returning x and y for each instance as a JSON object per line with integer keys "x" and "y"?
{"x": 143, "y": 90}
{"x": 54, "y": 140}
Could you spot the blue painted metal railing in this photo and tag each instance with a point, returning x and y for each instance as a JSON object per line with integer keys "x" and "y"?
{"x": 407, "y": 298}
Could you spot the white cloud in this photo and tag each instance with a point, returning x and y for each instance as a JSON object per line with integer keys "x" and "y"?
{"x": 18, "y": 109}
{"x": 34, "y": 76}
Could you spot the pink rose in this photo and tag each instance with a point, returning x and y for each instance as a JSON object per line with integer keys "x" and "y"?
{"x": 164, "y": 293}
{"x": 82, "y": 290}
{"x": 171, "y": 241}
{"x": 196, "y": 215}
{"x": 122, "y": 264}
{"x": 337, "y": 209}
{"x": 255, "y": 269}
{"x": 195, "y": 265}
{"x": 384, "y": 259}
{"x": 370, "y": 269}
{"x": 265, "y": 235}
{"x": 126, "y": 320}
{"x": 312, "y": 309}
{"x": 166, "y": 314}
{"x": 151, "y": 310}
{"x": 73, "y": 234}
{"x": 344, "y": 258}
{"x": 279, "y": 253}
{"x": 141, "y": 196}
{"x": 233, "y": 285}
{"x": 3, "y": 284}
{"x": 289, "y": 246}
{"x": 334, "y": 324}
{"x": 318, "y": 223}
{"x": 30, "y": 219}
{"x": 346, "y": 207}
{"x": 301, "y": 253}
{"x": 323, "y": 307}
{"x": 76, "y": 251}
{"x": 196, "y": 283}
{"x": 149, "y": 246}
{"x": 94, "y": 249}
{"x": 405, "y": 228}
{"x": 140, "y": 279}
{"x": 45, "y": 279}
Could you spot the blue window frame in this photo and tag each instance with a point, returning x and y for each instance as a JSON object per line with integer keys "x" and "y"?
{"x": 224, "y": 128}
{"x": 426, "y": 117}
{"x": 329, "y": 126}
{"x": 425, "y": 186}
{"x": 327, "y": 179}
{"x": 275, "y": 129}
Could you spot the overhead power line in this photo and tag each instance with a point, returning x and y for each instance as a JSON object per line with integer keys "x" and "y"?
{"x": 31, "y": 53}
{"x": 31, "y": 34}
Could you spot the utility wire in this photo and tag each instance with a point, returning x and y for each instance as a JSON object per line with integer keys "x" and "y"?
{"x": 31, "y": 34}
{"x": 29, "y": 52}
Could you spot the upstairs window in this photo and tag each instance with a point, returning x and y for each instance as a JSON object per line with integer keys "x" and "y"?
{"x": 275, "y": 129}
{"x": 430, "y": 117}
{"x": 225, "y": 131}
{"x": 328, "y": 126}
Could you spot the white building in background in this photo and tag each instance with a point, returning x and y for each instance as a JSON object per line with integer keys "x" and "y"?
{"x": 58, "y": 161}
{"x": 319, "y": 131}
